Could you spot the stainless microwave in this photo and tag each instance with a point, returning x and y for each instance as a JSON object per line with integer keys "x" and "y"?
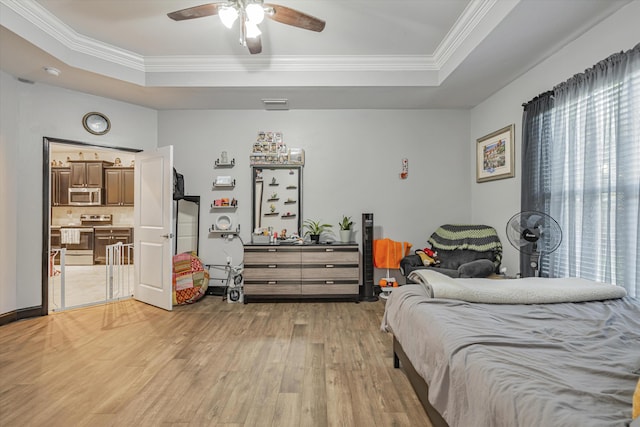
{"x": 85, "y": 196}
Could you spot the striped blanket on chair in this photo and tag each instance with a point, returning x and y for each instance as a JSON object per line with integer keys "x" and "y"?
{"x": 479, "y": 238}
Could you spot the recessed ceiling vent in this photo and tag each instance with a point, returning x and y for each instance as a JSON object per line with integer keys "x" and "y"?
{"x": 276, "y": 104}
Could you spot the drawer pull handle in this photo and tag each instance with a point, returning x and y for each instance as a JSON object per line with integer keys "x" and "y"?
{"x": 328, "y": 250}
{"x": 272, "y": 266}
{"x": 272, "y": 282}
{"x": 329, "y": 266}
{"x": 271, "y": 250}
{"x": 329, "y": 282}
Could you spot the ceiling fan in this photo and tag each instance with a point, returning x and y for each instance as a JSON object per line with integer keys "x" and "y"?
{"x": 251, "y": 13}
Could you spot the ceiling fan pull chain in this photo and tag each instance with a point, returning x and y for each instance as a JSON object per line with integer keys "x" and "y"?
{"x": 243, "y": 33}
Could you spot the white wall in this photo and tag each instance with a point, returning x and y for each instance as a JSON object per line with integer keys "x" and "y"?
{"x": 495, "y": 202}
{"x": 9, "y": 197}
{"x": 353, "y": 162}
{"x": 29, "y": 113}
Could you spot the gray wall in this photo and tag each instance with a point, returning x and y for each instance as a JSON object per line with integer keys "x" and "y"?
{"x": 27, "y": 114}
{"x": 353, "y": 164}
{"x": 495, "y": 202}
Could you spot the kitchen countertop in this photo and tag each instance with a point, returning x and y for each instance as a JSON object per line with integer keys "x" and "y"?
{"x": 91, "y": 226}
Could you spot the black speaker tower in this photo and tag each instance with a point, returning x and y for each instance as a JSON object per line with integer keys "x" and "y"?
{"x": 367, "y": 290}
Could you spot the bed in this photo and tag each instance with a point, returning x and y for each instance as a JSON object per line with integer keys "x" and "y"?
{"x": 521, "y": 352}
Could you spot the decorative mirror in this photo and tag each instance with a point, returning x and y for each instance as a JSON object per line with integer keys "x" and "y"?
{"x": 187, "y": 224}
{"x": 277, "y": 198}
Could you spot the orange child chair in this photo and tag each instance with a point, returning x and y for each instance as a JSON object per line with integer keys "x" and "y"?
{"x": 387, "y": 254}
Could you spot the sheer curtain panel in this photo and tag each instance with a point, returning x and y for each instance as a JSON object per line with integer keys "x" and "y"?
{"x": 536, "y": 136}
{"x": 581, "y": 165}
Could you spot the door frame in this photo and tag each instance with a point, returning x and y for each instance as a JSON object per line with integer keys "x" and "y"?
{"x": 46, "y": 206}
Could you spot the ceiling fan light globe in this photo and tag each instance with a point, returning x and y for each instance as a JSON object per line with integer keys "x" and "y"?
{"x": 228, "y": 16}
{"x": 255, "y": 13}
{"x": 252, "y": 30}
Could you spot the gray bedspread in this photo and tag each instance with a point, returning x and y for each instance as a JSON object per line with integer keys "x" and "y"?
{"x": 567, "y": 364}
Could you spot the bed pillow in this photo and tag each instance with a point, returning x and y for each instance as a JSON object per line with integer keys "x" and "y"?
{"x": 530, "y": 290}
{"x": 478, "y": 268}
{"x": 431, "y": 280}
{"x": 430, "y": 276}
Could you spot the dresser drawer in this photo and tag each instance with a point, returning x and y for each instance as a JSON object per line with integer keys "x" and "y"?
{"x": 271, "y": 289}
{"x": 331, "y": 256}
{"x": 272, "y": 272}
{"x": 330, "y": 272}
{"x": 271, "y": 255}
{"x": 330, "y": 289}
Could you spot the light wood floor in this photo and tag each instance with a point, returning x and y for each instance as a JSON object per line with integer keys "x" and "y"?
{"x": 207, "y": 364}
{"x": 86, "y": 284}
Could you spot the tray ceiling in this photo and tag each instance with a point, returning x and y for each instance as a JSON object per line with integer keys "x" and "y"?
{"x": 372, "y": 54}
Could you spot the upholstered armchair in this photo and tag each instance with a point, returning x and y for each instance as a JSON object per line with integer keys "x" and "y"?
{"x": 462, "y": 251}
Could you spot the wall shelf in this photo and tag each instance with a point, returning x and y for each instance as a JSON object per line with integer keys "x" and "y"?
{"x": 224, "y": 186}
{"x": 219, "y": 164}
{"x": 224, "y": 203}
{"x": 216, "y": 231}
{"x": 223, "y": 206}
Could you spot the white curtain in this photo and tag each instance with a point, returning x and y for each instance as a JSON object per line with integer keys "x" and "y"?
{"x": 593, "y": 173}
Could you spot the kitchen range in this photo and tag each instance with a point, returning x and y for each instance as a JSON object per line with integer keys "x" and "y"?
{"x": 86, "y": 242}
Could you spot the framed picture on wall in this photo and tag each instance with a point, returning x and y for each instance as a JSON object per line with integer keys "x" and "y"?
{"x": 495, "y": 155}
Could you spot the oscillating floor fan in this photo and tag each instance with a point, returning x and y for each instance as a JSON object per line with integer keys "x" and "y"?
{"x": 534, "y": 233}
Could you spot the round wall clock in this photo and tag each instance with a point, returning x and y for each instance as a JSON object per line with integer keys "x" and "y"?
{"x": 96, "y": 123}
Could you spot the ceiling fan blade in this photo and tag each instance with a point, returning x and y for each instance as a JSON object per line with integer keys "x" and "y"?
{"x": 289, "y": 16}
{"x": 195, "y": 12}
{"x": 254, "y": 44}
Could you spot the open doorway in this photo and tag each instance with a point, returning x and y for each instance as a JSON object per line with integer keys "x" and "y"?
{"x": 87, "y": 214}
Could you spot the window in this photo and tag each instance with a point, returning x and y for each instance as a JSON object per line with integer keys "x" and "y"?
{"x": 581, "y": 165}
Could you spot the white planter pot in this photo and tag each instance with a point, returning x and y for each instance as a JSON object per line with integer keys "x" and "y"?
{"x": 345, "y": 236}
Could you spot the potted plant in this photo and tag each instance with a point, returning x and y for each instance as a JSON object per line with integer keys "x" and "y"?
{"x": 314, "y": 229}
{"x": 345, "y": 229}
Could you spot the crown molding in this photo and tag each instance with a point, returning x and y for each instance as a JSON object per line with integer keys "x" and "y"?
{"x": 47, "y": 23}
{"x": 462, "y": 29}
{"x": 283, "y": 63}
{"x": 478, "y": 19}
{"x": 60, "y": 40}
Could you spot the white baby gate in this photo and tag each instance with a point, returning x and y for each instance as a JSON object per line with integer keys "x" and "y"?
{"x": 57, "y": 304}
{"x": 119, "y": 271}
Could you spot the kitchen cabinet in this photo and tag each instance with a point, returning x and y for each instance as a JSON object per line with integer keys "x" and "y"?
{"x": 60, "y": 181}
{"x": 55, "y": 238}
{"x": 87, "y": 173}
{"x": 118, "y": 186}
{"x": 109, "y": 236}
{"x": 79, "y": 253}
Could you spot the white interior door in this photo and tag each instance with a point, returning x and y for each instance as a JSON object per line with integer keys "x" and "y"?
{"x": 153, "y": 219}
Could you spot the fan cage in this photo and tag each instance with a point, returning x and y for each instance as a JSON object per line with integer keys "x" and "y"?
{"x": 549, "y": 240}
